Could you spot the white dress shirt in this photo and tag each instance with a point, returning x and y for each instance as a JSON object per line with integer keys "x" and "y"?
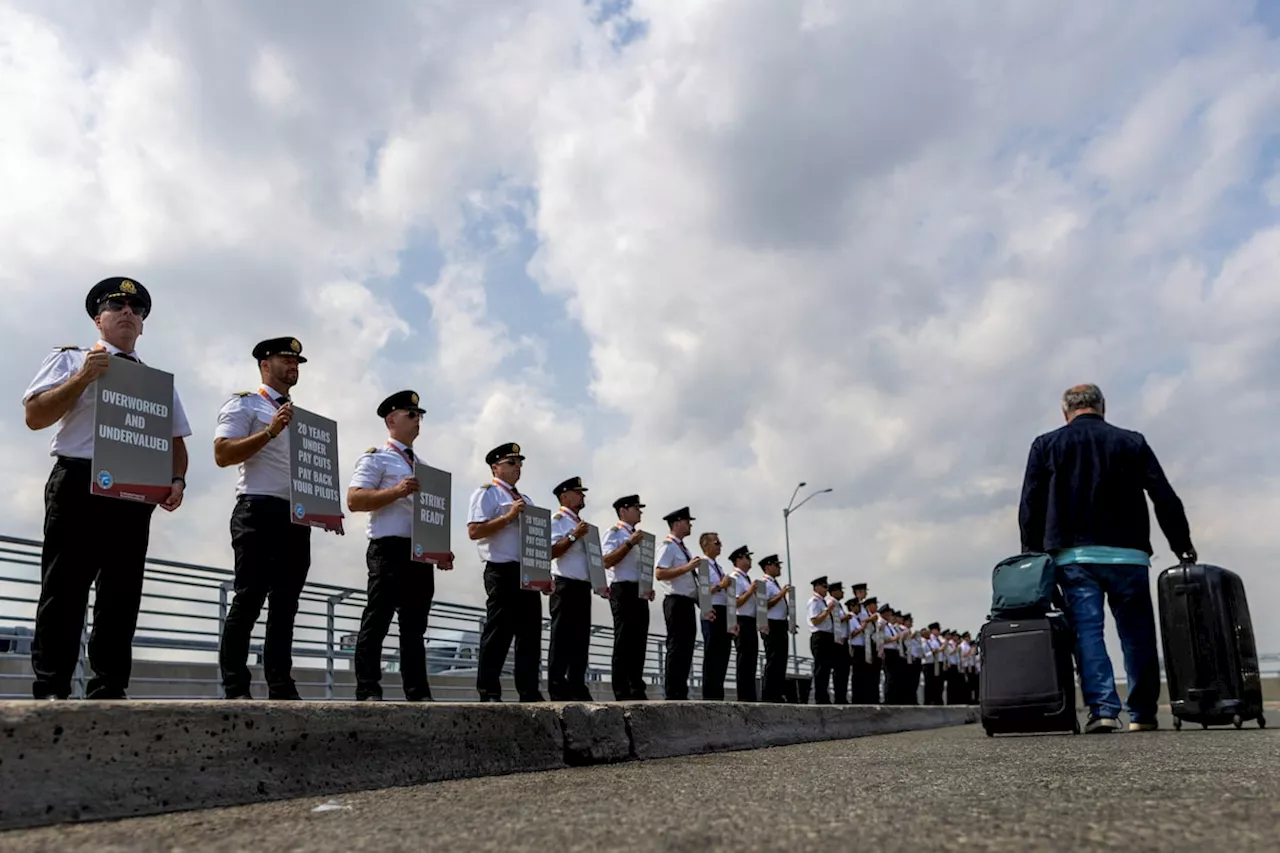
{"x": 672, "y": 554}
{"x": 716, "y": 574}
{"x": 73, "y": 434}
{"x": 626, "y": 570}
{"x": 859, "y": 619}
{"x": 269, "y": 471}
{"x": 841, "y": 627}
{"x": 741, "y": 583}
{"x": 773, "y": 589}
{"x": 817, "y": 604}
{"x": 487, "y": 503}
{"x": 383, "y": 468}
{"x": 572, "y": 564}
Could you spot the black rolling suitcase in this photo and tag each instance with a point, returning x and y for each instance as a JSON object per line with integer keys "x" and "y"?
{"x": 1028, "y": 682}
{"x": 1210, "y": 658}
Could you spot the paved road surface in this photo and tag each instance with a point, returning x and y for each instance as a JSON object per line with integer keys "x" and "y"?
{"x": 939, "y": 791}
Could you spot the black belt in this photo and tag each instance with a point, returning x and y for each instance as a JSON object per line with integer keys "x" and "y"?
{"x": 390, "y": 540}
{"x": 262, "y": 499}
{"x": 73, "y": 462}
{"x": 692, "y": 598}
{"x": 494, "y": 565}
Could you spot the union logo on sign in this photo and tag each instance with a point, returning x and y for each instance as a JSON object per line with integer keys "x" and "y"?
{"x": 417, "y": 550}
{"x": 299, "y": 510}
{"x": 104, "y": 479}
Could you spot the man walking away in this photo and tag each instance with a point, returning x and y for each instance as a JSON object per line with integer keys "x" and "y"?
{"x": 1082, "y": 502}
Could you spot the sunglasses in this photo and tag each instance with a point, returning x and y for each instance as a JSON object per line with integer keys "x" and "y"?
{"x": 413, "y": 416}
{"x": 119, "y": 303}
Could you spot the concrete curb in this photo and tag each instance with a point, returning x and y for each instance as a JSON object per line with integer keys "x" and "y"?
{"x": 71, "y": 761}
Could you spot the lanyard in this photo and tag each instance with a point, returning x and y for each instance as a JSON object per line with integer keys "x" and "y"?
{"x": 405, "y": 456}
{"x": 680, "y": 545}
{"x": 507, "y": 489}
{"x": 571, "y": 514}
{"x": 268, "y": 398}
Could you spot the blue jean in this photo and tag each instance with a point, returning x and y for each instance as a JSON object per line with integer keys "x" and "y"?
{"x": 1128, "y": 593}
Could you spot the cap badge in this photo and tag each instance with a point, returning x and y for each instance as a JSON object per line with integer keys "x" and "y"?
{"x": 413, "y": 398}
{"x": 515, "y": 448}
{"x": 295, "y": 346}
{"x": 127, "y": 286}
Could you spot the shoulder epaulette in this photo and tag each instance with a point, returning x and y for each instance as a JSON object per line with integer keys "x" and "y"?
{"x": 486, "y": 486}
{"x": 372, "y": 450}
{"x": 68, "y": 349}
{"x": 557, "y": 515}
{"x": 243, "y": 394}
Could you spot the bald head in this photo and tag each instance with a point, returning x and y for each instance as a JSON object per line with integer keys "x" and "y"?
{"x": 1081, "y": 400}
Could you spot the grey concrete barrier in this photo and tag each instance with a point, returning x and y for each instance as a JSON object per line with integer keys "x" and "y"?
{"x": 71, "y": 761}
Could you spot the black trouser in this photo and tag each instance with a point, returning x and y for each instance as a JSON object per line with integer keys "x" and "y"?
{"x": 910, "y": 693}
{"x": 88, "y": 540}
{"x": 892, "y": 677}
{"x": 840, "y": 666}
{"x": 681, "y": 615}
{"x": 932, "y": 685}
{"x": 272, "y": 557}
{"x": 973, "y": 688}
{"x": 630, "y": 636}
{"x": 716, "y": 643}
{"x": 748, "y": 644}
{"x": 955, "y": 687}
{"x": 860, "y": 672}
{"x": 775, "y": 660}
{"x": 570, "y": 640}
{"x": 397, "y": 585}
{"x": 510, "y": 613}
{"x": 821, "y": 644}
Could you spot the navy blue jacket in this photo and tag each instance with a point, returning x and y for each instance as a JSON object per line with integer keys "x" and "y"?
{"x": 1084, "y": 486}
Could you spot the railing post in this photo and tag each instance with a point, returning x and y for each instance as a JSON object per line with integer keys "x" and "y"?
{"x": 331, "y": 605}
{"x": 662, "y": 666}
{"x": 80, "y": 688}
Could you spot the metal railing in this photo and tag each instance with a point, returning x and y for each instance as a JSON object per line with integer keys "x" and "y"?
{"x": 184, "y": 607}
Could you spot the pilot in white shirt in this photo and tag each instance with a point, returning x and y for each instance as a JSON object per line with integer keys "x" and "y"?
{"x": 629, "y": 608}
{"x": 273, "y": 555}
{"x": 821, "y": 640}
{"x": 511, "y": 612}
{"x": 677, "y": 570}
{"x": 779, "y": 633}
{"x": 101, "y": 535}
{"x": 570, "y": 596}
{"x": 385, "y": 485}
{"x": 747, "y": 641}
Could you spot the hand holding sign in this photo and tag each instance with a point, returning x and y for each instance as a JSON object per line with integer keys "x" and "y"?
{"x": 407, "y": 486}
{"x": 517, "y": 507}
{"x": 174, "y": 500}
{"x": 95, "y": 364}
{"x": 280, "y": 420}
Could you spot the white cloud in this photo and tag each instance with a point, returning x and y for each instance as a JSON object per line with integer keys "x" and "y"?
{"x": 854, "y": 244}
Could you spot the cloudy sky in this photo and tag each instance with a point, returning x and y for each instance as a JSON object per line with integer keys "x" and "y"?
{"x": 695, "y": 249}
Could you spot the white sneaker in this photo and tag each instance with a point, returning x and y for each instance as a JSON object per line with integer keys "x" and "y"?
{"x": 1101, "y": 725}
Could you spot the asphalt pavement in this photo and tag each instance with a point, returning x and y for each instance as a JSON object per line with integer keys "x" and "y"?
{"x": 933, "y": 791}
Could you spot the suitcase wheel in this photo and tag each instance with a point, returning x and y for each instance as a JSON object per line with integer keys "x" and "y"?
{"x": 990, "y": 733}
{"x": 1237, "y": 722}
{"x": 1075, "y": 728}
{"x": 1204, "y": 725}
{"x": 1177, "y": 724}
{"x": 1262, "y": 722}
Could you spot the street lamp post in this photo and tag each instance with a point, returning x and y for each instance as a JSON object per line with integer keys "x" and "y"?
{"x": 792, "y": 506}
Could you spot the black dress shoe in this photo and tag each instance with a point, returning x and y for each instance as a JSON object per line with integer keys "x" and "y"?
{"x": 582, "y": 695}
{"x": 285, "y": 697}
{"x": 108, "y": 696}
{"x": 245, "y": 695}
{"x": 487, "y": 698}
{"x": 533, "y": 697}
{"x": 373, "y": 697}
{"x": 419, "y": 697}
